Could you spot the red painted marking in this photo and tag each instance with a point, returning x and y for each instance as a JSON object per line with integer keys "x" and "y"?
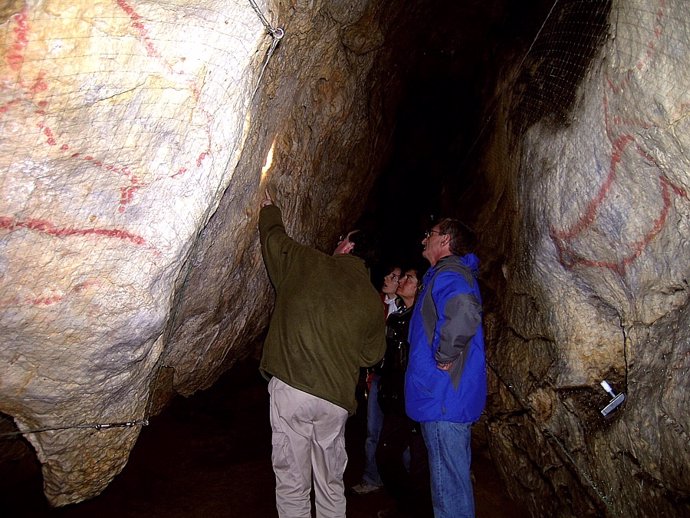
{"x": 141, "y": 29}
{"x": 51, "y": 138}
{"x": 15, "y": 57}
{"x": 201, "y": 158}
{"x": 592, "y": 207}
{"x": 40, "y": 85}
{"x": 569, "y": 259}
{"x": 46, "y": 227}
{"x": 126, "y": 194}
{"x": 5, "y": 107}
{"x": 46, "y": 301}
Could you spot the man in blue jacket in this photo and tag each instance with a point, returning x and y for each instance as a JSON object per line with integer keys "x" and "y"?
{"x": 445, "y": 382}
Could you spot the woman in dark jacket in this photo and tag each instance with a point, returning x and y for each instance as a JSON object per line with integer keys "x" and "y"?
{"x": 401, "y": 454}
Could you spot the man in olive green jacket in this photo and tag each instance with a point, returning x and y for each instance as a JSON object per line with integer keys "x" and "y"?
{"x": 326, "y": 325}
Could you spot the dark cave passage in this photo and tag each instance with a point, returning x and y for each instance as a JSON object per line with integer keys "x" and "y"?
{"x": 210, "y": 456}
{"x": 449, "y": 59}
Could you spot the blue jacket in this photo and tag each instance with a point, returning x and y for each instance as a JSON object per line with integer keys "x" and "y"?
{"x": 446, "y": 326}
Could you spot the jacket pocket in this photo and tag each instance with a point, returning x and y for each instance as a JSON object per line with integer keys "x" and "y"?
{"x": 422, "y": 402}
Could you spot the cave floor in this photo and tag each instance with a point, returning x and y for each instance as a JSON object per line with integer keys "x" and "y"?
{"x": 209, "y": 456}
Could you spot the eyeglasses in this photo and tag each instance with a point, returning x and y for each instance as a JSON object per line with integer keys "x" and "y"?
{"x": 428, "y": 233}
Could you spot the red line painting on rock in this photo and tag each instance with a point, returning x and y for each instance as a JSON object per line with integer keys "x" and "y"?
{"x": 140, "y": 27}
{"x": 620, "y": 142}
{"x": 46, "y": 227}
{"x": 27, "y": 95}
{"x": 15, "y": 55}
{"x": 56, "y": 140}
{"x": 49, "y": 297}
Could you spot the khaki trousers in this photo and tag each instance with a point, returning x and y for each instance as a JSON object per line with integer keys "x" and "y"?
{"x": 308, "y": 441}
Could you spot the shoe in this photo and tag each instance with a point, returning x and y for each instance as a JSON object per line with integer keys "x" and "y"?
{"x": 364, "y": 488}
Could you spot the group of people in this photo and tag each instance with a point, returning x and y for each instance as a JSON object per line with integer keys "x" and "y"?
{"x": 427, "y": 386}
{"x": 395, "y": 455}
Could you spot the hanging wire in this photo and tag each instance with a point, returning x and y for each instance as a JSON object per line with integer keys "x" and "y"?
{"x": 84, "y": 426}
{"x": 277, "y": 35}
{"x": 97, "y": 426}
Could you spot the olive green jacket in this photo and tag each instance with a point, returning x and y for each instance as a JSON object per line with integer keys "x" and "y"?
{"x": 326, "y": 323}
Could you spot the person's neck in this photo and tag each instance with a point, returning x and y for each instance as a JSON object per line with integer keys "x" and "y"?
{"x": 389, "y": 296}
{"x": 441, "y": 259}
{"x": 408, "y": 301}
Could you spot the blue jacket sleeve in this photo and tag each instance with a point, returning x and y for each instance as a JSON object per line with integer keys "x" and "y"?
{"x": 459, "y": 314}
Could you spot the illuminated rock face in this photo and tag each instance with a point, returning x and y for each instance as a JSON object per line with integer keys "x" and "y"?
{"x": 130, "y": 161}
{"x": 131, "y": 149}
{"x": 593, "y": 277}
{"x": 122, "y": 125}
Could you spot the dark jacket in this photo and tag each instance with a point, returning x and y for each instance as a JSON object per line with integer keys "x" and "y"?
{"x": 391, "y": 393}
{"x": 326, "y": 323}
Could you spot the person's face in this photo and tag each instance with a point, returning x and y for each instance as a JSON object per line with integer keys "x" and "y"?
{"x": 435, "y": 245}
{"x": 407, "y": 288}
{"x": 390, "y": 282}
{"x": 344, "y": 246}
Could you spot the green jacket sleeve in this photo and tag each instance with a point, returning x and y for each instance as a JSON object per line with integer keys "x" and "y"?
{"x": 275, "y": 243}
{"x": 375, "y": 346}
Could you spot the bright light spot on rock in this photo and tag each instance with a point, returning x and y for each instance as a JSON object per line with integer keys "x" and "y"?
{"x": 269, "y": 161}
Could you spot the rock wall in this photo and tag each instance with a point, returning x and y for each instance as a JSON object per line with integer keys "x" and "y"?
{"x": 586, "y": 228}
{"x": 132, "y": 147}
{"x": 133, "y": 136}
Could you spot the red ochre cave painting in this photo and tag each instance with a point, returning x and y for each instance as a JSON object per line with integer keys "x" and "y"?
{"x": 29, "y": 93}
{"x": 48, "y": 297}
{"x": 34, "y": 93}
{"x": 620, "y": 140}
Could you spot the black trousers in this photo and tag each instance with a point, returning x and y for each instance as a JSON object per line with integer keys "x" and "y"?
{"x": 411, "y": 489}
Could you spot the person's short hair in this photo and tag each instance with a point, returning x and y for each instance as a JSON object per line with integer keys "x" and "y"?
{"x": 366, "y": 244}
{"x": 418, "y": 266}
{"x": 420, "y": 269}
{"x": 461, "y": 236}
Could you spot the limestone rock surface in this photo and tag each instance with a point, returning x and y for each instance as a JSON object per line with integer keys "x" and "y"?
{"x": 132, "y": 140}
{"x": 590, "y": 256}
{"x": 132, "y": 144}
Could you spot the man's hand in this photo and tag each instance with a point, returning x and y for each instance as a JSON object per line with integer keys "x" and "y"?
{"x": 267, "y": 199}
{"x": 444, "y": 366}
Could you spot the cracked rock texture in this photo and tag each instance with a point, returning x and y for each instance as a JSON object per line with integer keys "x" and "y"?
{"x": 132, "y": 146}
{"x": 133, "y": 138}
{"x": 586, "y": 224}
